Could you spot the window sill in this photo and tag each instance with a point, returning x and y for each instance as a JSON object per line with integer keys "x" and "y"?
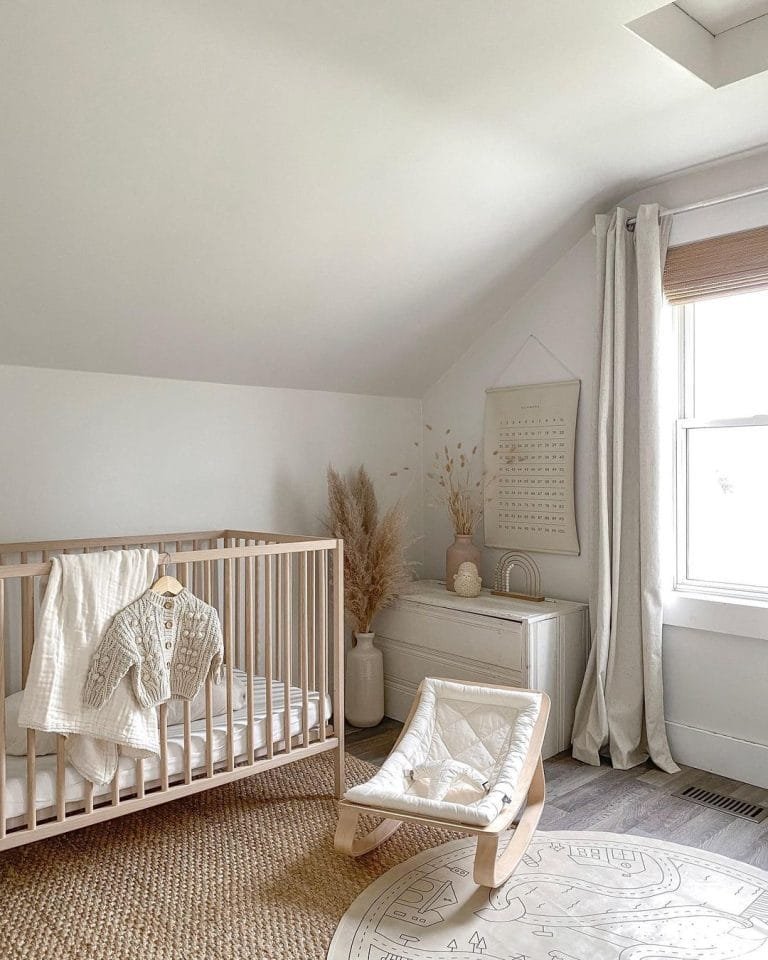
{"x": 728, "y": 615}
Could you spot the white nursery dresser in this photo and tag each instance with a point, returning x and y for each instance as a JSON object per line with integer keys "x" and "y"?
{"x": 431, "y": 632}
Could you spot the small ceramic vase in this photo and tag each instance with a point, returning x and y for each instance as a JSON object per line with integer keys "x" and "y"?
{"x": 467, "y": 582}
{"x": 364, "y": 688}
{"x": 461, "y": 550}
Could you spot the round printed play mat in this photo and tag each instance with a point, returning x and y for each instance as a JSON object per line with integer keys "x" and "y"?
{"x": 575, "y": 896}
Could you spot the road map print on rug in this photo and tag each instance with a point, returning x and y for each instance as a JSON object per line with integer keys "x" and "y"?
{"x": 575, "y": 896}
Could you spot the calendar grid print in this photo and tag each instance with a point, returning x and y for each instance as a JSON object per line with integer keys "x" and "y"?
{"x": 529, "y": 443}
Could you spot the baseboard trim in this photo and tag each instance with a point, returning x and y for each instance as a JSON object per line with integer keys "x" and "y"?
{"x": 727, "y": 756}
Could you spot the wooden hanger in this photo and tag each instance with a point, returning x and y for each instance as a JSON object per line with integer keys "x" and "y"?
{"x": 167, "y": 585}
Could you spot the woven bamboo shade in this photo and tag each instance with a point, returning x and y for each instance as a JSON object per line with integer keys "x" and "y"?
{"x": 733, "y": 263}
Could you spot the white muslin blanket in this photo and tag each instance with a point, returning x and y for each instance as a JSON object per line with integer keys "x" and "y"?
{"x": 83, "y": 595}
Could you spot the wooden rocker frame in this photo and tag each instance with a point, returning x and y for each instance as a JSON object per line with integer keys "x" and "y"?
{"x": 522, "y": 813}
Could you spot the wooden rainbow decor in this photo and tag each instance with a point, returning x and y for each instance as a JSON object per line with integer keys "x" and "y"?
{"x": 531, "y": 574}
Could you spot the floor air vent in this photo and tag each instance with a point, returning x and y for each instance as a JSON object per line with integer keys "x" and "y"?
{"x": 719, "y": 801}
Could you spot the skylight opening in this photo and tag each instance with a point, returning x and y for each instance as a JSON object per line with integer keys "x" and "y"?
{"x": 719, "y": 41}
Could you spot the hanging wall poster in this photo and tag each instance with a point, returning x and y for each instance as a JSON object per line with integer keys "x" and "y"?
{"x": 529, "y": 443}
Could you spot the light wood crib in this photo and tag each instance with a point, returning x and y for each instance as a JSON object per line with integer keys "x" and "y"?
{"x": 280, "y": 600}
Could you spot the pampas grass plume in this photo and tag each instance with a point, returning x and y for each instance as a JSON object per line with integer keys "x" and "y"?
{"x": 375, "y": 565}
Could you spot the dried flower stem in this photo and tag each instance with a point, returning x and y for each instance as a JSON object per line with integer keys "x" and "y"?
{"x": 452, "y": 472}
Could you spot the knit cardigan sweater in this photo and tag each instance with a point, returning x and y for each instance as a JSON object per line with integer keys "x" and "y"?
{"x": 169, "y": 645}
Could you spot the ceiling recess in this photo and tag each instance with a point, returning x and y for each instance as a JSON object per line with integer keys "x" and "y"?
{"x": 717, "y": 16}
{"x": 720, "y": 41}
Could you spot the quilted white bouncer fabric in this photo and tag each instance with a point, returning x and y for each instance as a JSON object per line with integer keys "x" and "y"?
{"x": 461, "y": 755}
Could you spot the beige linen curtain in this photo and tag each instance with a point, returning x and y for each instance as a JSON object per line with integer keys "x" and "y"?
{"x": 621, "y": 705}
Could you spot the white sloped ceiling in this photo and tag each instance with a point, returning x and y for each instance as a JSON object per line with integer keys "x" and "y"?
{"x": 328, "y": 194}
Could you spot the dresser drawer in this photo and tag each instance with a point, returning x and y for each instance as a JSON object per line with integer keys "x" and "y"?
{"x": 463, "y": 635}
{"x": 485, "y": 640}
{"x": 408, "y": 665}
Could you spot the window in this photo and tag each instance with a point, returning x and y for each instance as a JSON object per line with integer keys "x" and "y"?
{"x": 722, "y": 446}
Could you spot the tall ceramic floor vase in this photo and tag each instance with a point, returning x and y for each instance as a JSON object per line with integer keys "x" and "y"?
{"x": 460, "y": 550}
{"x": 364, "y": 693}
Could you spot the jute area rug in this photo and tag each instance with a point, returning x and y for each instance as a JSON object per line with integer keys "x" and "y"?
{"x": 247, "y": 870}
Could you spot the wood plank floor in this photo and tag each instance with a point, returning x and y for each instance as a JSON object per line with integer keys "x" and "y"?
{"x": 638, "y": 801}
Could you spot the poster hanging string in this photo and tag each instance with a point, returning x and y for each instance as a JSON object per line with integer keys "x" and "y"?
{"x": 532, "y": 336}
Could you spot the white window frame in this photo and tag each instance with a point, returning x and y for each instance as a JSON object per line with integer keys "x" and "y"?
{"x": 687, "y": 422}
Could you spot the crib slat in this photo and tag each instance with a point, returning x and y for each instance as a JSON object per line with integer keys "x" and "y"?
{"x": 209, "y": 726}
{"x": 337, "y": 641}
{"x": 322, "y": 637}
{"x": 187, "y": 741}
{"x": 250, "y": 642}
{"x": 258, "y": 656}
{"x": 2, "y": 712}
{"x": 163, "y": 723}
{"x": 184, "y": 571}
{"x": 184, "y": 576}
{"x": 208, "y": 598}
{"x": 27, "y": 640}
{"x": 228, "y": 619}
{"x": 115, "y": 787}
{"x": 189, "y": 580}
{"x": 303, "y": 649}
{"x": 46, "y": 556}
{"x": 311, "y": 617}
{"x": 268, "y": 618}
{"x": 140, "y": 778}
{"x": 215, "y": 592}
{"x": 61, "y": 780}
{"x": 208, "y": 582}
{"x": 197, "y": 572}
{"x": 31, "y": 780}
{"x": 278, "y": 619}
{"x": 287, "y": 635}
{"x": 88, "y": 796}
{"x": 238, "y": 623}
{"x": 27, "y": 621}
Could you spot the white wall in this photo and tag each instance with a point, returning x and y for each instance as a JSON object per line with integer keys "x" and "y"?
{"x": 89, "y": 454}
{"x": 715, "y": 682}
{"x": 86, "y": 454}
{"x": 549, "y": 335}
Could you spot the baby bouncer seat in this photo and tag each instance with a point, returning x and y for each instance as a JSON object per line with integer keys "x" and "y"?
{"x": 468, "y": 760}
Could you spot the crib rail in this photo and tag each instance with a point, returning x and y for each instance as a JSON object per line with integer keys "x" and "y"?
{"x": 280, "y": 601}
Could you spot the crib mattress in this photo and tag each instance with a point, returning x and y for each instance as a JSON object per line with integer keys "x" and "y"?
{"x": 75, "y": 784}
